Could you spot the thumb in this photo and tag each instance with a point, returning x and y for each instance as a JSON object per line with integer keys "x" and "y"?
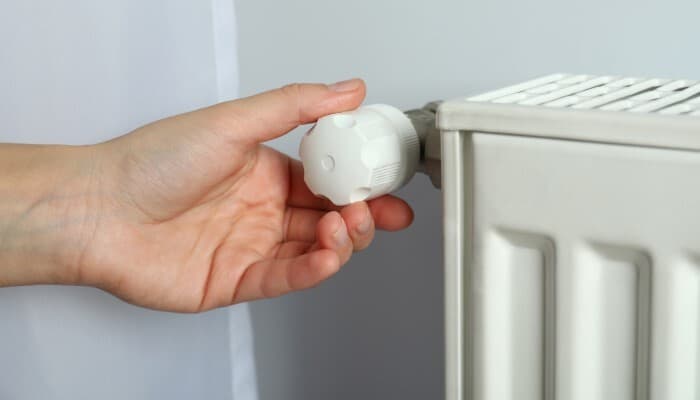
{"x": 271, "y": 114}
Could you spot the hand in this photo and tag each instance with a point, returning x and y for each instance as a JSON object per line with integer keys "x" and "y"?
{"x": 192, "y": 212}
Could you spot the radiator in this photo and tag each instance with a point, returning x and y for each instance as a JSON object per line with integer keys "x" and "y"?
{"x": 572, "y": 240}
{"x": 571, "y": 237}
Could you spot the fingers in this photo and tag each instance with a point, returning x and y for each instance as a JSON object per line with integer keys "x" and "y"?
{"x": 301, "y": 224}
{"x": 271, "y": 114}
{"x": 359, "y": 223}
{"x": 389, "y": 212}
{"x": 300, "y": 262}
{"x": 274, "y": 277}
{"x": 332, "y": 233}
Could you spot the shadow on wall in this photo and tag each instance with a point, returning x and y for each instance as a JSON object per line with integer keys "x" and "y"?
{"x": 374, "y": 327}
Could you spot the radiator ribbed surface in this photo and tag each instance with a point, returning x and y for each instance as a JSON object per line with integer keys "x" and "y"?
{"x": 581, "y": 271}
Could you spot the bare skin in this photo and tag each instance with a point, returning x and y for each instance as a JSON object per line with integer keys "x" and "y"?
{"x": 188, "y": 213}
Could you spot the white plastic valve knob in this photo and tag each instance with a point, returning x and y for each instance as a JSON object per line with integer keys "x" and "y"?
{"x": 361, "y": 154}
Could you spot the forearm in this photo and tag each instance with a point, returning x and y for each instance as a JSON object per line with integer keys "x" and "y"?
{"x": 45, "y": 195}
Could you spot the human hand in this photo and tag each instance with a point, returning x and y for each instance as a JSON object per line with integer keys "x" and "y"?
{"x": 192, "y": 212}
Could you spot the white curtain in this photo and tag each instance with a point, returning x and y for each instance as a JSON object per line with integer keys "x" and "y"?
{"x": 82, "y": 71}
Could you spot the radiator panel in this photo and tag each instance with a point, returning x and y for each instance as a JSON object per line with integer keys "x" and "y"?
{"x": 514, "y": 316}
{"x": 580, "y": 276}
{"x": 609, "y": 311}
{"x": 677, "y": 327}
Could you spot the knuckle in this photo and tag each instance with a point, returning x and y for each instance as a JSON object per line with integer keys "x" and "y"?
{"x": 293, "y": 93}
{"x": 292, "y": 90}
{"x": 363, "y": 243}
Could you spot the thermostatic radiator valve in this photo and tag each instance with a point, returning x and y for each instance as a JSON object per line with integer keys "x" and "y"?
{"x": 371, "y": 151}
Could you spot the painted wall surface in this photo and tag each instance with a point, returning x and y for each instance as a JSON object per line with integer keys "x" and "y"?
{"x": 375, "y": 330}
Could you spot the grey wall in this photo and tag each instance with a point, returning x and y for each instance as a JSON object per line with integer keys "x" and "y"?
{"x": 375, "y": 330}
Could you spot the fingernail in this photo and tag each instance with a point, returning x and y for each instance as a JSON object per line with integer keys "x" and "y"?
{"x": 345, "y": 86}
{"x": 340, "y": 236}
{"x": 363, "y": 227}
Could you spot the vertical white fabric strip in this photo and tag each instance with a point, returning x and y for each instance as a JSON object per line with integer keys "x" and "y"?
{"x": 225, "y": 48}
{"x": 79, "y": 72}
{"x": 243, "y": 377}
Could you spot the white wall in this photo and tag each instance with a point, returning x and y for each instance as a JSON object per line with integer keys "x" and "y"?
{"x": 375, "y": 330}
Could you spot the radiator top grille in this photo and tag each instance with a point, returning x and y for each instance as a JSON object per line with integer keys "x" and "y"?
{"x": 608, "y": 93}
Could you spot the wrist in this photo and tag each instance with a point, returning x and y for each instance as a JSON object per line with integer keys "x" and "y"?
{"x": 47, "y": 212}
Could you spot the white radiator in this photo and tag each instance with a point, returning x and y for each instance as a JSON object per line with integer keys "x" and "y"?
{"x": 572, "y": 230}
{"x": 572, "y": 240}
